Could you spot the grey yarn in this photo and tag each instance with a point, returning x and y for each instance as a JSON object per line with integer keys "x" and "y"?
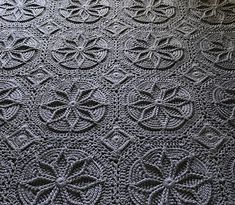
{"x": 117, "y": 102}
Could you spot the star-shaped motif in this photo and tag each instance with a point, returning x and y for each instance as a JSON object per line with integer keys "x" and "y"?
{"x": 150, "y": 11}
{"x": 21, "y": 10}
{"x": 154, "y": 52}
{"x": 160, "y": 106}
{"x": 84, "y": 11}
{"x": 10, "y": 101}
{"x": 213, "y": 11}
{"x": 78, "y": 107}
{"x": 16, "y": 48}
{"x": 79, "y": 51}
{"x": 66, "y": 179}
{"x": 161, "y": 179}
{"x": 224, "y": 101}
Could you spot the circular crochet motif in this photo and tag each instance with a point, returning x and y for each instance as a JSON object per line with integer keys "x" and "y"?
{"x": 160, "y": 105}
{"x": 21, "y": 10}
{"x": 213, "y": 11}
{"x": 16, "y": 48}
{"x": 154, "y": 52}
{"x": 219, "y": 48}
{"x": 224, "y": 99}
{"x": 73, "y": 107}
{"x": 150, "y": 11}
{"x": 10, "y": 101}
{"x": 169, "y": 176}
{"x": 78, "y": 51}
{"x": 84, "y": 11}
{"x": 61, "y": 176}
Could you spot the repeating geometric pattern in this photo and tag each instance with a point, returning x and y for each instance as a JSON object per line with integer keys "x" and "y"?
{"x": 213, "y": 11}
{"x": 154, "y": 52}
{"x": 224, "y": 99}
{"x": 84, "y": 11}
{"x": 160, "y": 105}
{"x": 11, "y": 97}
{"x": 21, "y": 10}
{"x": 219, "y": 52}
{"x": 67, "y": 176}
{"x": 111, "y": 102}
{"x": 150, "y": 11}
{"x": 17, "y": 48}
{"x": 173, "y": 176}
{"x": 79, "y": 51}
{"x": 73, "y": 108}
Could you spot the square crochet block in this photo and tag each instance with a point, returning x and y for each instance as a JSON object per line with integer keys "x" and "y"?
{"x": 117, "y": 102}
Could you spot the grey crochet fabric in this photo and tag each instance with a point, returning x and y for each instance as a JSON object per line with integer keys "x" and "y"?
{"x": 117, "y": 102}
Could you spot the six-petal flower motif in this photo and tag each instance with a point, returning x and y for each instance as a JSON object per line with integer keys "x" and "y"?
{"x": 74, "y": 107}
{"x": 21, "y": 10}
{"x": 80, "y": 51}
{"x": 84, "y": 11}
{"x": 150, "y": 11}
{"x": 224, "y": 101}
{"x": 160, "y": 105}
{"x": 70, "y": 177}
{"x": 213, "y": 11}
{"x": 16, "y": 48}
{"x": 154, "y": 52}
{"x": 10, "y": 101}
{"x": 169, "y": 176}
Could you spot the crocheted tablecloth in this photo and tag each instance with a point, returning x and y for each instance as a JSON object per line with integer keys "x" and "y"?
{"x": 117, "y": 102}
